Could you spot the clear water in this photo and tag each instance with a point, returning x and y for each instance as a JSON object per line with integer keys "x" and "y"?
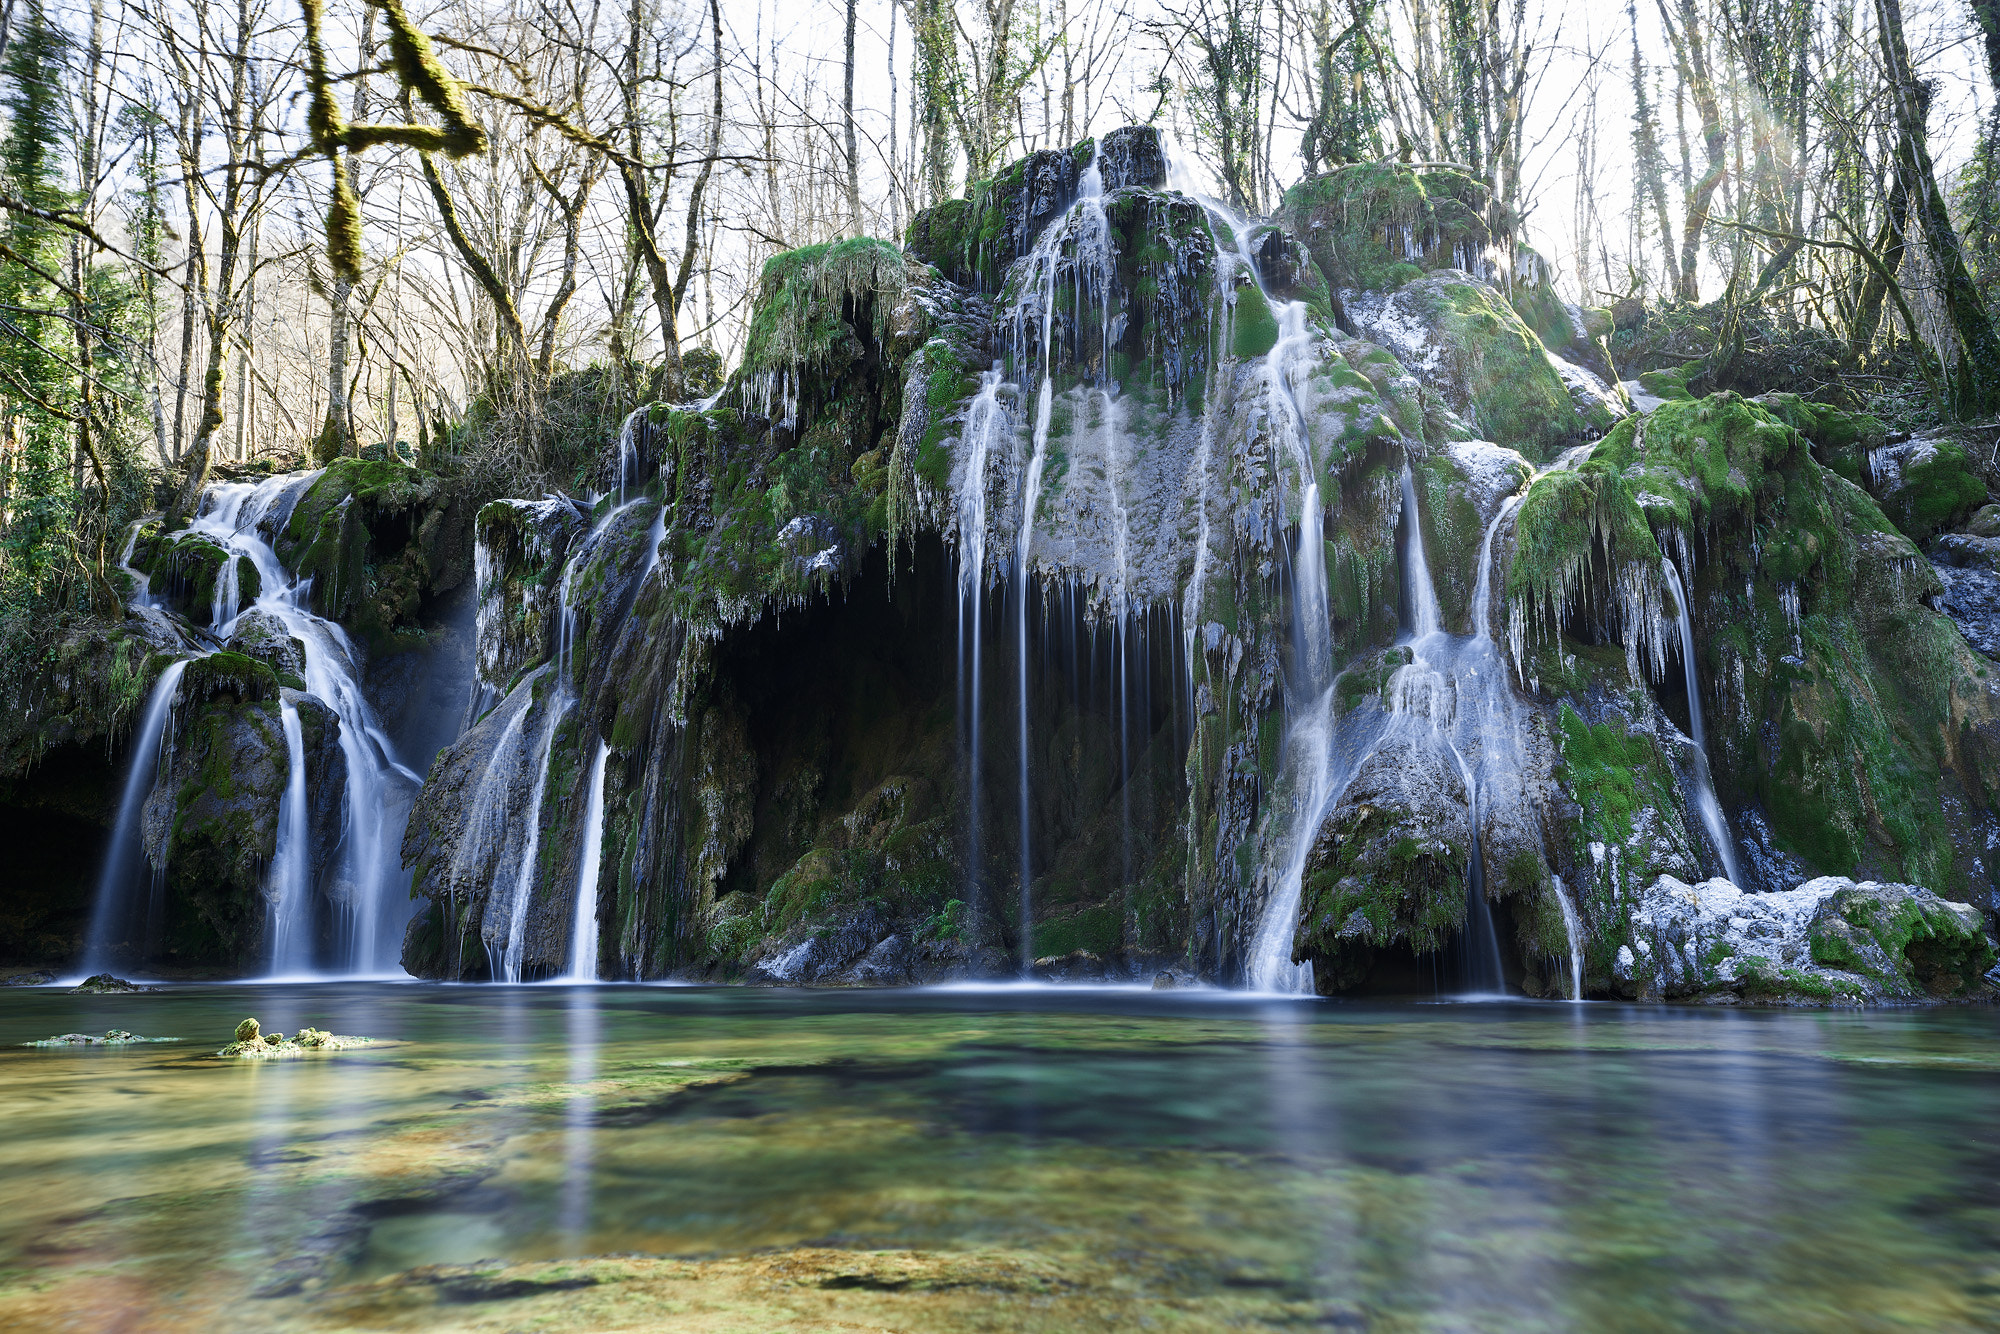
{"x": 1001, "y": 1159}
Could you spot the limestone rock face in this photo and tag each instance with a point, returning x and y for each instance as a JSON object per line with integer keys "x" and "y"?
{"x": 989, "y": 620}
{"x": 1829, "y": 941}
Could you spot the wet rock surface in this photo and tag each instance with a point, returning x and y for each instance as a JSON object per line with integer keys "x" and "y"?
{"x": 1829, "y": 941}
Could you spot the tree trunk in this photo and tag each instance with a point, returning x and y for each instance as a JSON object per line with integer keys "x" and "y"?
{"x": 853, "y": 151}
{"x": 1975, "y": 380}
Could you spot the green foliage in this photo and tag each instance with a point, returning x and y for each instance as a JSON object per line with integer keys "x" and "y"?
{"x": 60, "y": 427}
{"x": 806, "y": 298}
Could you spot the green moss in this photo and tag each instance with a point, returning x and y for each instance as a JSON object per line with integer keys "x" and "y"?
{"x": 1612, "y": 774}
{"x": 1938, "y": 492}
{"x": 1099, "y": 930}
{"x": 1377, "y": 225}
{"x": 1910, "y": 944}
{"x": 227, "y": 673}
{"x": 805, "y": 297}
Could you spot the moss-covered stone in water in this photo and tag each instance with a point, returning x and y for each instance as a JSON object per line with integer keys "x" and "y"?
{"x": 1913, "y": 944}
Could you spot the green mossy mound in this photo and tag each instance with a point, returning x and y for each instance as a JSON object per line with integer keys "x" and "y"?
{"x": 1377, "y": 225}
{"x": 376, "y": 537}
{"x": 1910, "y": 944}
{"x": 1849, "y": 711}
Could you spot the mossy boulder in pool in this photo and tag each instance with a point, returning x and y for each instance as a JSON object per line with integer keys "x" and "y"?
{"x": 1829, "y": 941}
{"x": 1904, "y": 938}
{"x": 1387, "y": 867}
{"x": 250, "y": 1043}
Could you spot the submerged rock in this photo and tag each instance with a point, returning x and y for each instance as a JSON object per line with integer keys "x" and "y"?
{"x": 116, "y": 1037}
{"x": 104, "y": 984}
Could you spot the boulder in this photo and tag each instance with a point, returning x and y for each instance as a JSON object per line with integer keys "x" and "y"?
{"x": 1388, "y": 866}
{"x": 1829, "y": 941}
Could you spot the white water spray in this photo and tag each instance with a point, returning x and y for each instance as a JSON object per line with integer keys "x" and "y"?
{"x": 583, "y": 934}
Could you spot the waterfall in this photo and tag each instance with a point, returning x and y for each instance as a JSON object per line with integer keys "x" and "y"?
{"x": 515, "y": 947}
{"x": 1426, "y": 619}
{"x": 1093, "y": 265}
{"x": 1307, "y": 762}
{"x": 289, "y": 893}
{"x": 1704, "y": 794}
{"x": 1446, "y": 667}
{"x": 985, "y": 420}
{"x": 1573, "y": 935}
{"x": 583, "y": 935}
{"x": 371, "y": 891}
{"x": 112, "y": 921}
{"x": 509, "y": 962}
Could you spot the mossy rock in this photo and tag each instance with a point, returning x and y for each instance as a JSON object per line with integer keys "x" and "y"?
{"x": 1904, "y": 937}
{"x": 1926, "y": 486}
{"x": 1842, "y": 441}
{"x": 375, "y": 536}
{"x": 1387, "y": 867}
{"x": 1468, "y": 346}
{"x": 1375, "y": 226}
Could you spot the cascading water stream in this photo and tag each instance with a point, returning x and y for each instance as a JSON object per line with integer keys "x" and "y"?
{"x": 1705, "y": 801}
{"x": 1093, "y": 265}
{"x": 583, "y": 934}
{"x": 1307, "y": 763}
{"x": 289, "y": 893}
{"x": 374, "y": 906}
{"x": 508, "y": 963}
{"x": 524, "y": 877}
{"x": 112, "y": 921}
{"x": 986, "y": 422}
{"x": 1429, "y": 688}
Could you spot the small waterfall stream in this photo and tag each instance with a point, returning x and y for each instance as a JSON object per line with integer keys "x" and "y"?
{"x": 1704, "y": 795}
{"x": 986, "y": 423}
{"x": 584, "y": 933}
{"x": 117, "y": 923}
{"x": 289, "y": 892}
{"x": 505, "y": 928}
{"x": 1307, "y": 761}
{"x": 1092, "y": 266}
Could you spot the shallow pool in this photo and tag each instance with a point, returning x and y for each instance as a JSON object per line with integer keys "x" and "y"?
{"x": 703, "y": 1158}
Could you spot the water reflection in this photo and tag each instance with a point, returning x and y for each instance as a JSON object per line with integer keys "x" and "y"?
{"x": 1282, "y": 1162}
{"x": 579, "y": 1116}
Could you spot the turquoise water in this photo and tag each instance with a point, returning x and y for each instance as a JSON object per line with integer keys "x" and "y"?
{"x": 1196, "y": 1160}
